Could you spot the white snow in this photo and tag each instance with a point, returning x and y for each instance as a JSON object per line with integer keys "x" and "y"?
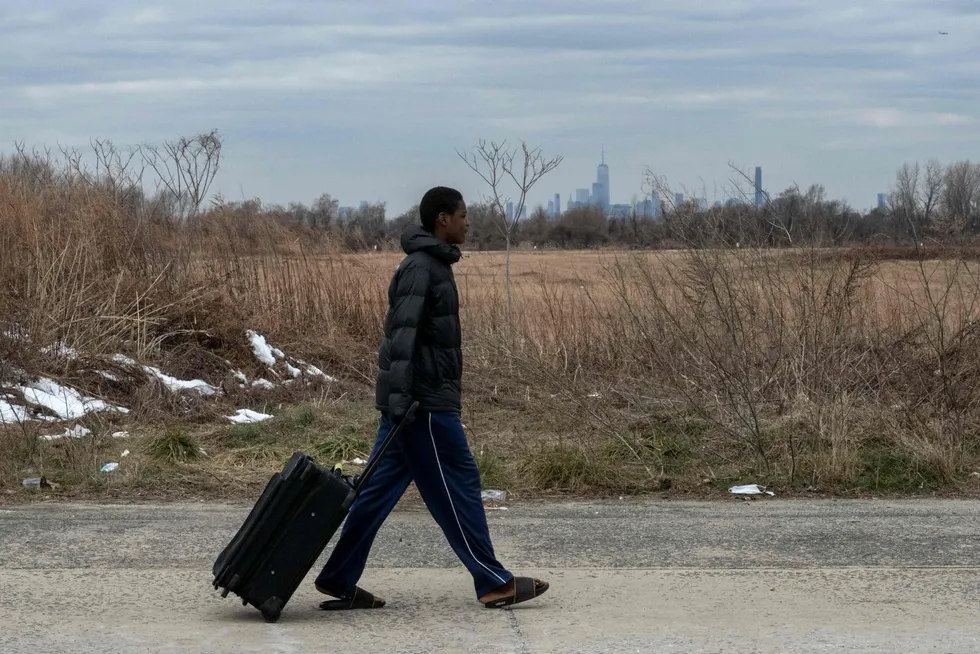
{"x": 175, "y": 384}
{"x": 66, "y": 403}
{"x": 171, "y": 383}
{"x": 263, "y": 383}
{"x": 247, "y": 416}
{"x": 313, "y": 371}
{"x": 262, "y": 350}
{"x": 268, "y": 355}
{"x": 120, "y": 434}
{"x": 61, "y": 350}
{"x": 12, "y": 413}
{"x": 240, "y": 376}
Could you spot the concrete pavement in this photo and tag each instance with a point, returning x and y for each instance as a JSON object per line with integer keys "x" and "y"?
{"x": 760, "y": 576}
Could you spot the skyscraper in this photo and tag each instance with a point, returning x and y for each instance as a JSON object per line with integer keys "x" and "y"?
{"x": 602, "y": 183}
{"x": 551, "y": 207}
{"x": 510, "y": 211}
{"x": 882, "y": 201}
{"x": 557, "y": 204}
{"x": 582, "y": 196}
{"x": 758, "y": 186}
{"x": 678, "y": 199}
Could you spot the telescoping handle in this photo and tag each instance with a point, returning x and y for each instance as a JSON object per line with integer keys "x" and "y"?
{"x": 363, "y": 478}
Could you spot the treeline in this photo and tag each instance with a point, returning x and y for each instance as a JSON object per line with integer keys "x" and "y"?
{"x": 934, "y": 202}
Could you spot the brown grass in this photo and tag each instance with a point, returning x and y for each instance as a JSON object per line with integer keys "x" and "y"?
{"x": 850, "y": 371}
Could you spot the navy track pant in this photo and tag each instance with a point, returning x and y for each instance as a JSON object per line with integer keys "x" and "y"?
{"x": 432, "y": 452}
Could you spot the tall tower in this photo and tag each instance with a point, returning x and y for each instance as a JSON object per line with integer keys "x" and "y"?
{"x": 758, "y": 186}
{"x": 557, "y": 204}
{"x": 602, "y": 183}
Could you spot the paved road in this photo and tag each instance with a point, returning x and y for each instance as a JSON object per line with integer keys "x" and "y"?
{"x": 762, "y": 576}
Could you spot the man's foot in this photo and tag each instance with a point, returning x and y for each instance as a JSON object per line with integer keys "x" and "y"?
{"x": 361, "y": 599}
{"x": 519, "y": 589}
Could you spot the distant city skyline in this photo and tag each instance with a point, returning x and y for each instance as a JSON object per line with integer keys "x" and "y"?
{"x": 370, "y": 101}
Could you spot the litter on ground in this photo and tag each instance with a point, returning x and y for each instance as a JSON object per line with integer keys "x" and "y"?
{"x": 247, "y": 416}
{"x": 750, "y": 489}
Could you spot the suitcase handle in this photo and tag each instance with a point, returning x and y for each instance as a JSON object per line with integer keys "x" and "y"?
{"x": 363, "y": 478}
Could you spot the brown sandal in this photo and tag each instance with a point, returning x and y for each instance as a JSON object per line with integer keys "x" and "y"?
{"x": 525, "y": 589}
{"x": 361, "y": 599}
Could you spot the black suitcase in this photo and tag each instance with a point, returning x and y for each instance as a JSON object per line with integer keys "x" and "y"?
{"x": 288, "y": 528}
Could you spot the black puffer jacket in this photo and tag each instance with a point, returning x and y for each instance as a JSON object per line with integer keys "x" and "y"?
{"x": 421, "y": 357}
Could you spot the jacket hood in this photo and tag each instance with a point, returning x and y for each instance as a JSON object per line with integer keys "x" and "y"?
{"x": 416, "y": 238}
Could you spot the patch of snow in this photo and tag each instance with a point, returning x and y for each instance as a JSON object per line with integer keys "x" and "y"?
{"x": 313, "y": 371}
{"x": 61, "y": 350}
{"x": 109, "y": 467}
{"x": 66, "y": 403}
{"x": 247, "y": 416}
{"x": 120, "y": 434}
{"x": 175, "y": 384}
{"x": 240, "y": 376}
{"x": 172, "y": 383}
{"x": 263, "y": 383}
{"x": 268, "y": 355}
{"x": 358, "y": 461}
{"x": 108, "y": 375}
{"x": 261, "y": 349}
{"x": 13, "y": 413}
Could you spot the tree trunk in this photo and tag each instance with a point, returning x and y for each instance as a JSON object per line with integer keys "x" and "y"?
{"x": 507, "y": 277}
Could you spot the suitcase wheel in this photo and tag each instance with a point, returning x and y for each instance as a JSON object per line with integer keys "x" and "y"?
{"x": 271, "y": 609}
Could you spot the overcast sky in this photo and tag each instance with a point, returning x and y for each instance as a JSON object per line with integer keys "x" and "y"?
{"x": 368, "y": 100}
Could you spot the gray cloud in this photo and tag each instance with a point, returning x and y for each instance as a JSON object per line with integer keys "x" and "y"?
{"x": 369, "y": 100}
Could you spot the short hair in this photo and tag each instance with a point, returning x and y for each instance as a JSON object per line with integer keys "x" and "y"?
{"x": 436, "y": 201}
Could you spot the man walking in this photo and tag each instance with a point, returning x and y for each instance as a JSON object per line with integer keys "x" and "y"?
{"x": 421, "y": 360}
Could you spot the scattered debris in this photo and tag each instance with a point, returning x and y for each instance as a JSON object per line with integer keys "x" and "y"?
{"x": 975, "y": 474}
{"x": 120, "y": 434}
{"x": 496, "y": 508}
{"x": 247, "y": 416}
{"x": 595, "y": 394}
{"x": 494, "y": 496}
{"x": 77, "y": 431}
{"x": 750, "y": 489}
{"x": 201, "y": 450}
{"x": 124, "y": 454}
{"x": 812, "y": 489}
{"x": 35, "y": 482}
{"x": 358, "y": 461}
{"x": 109, "y": 467}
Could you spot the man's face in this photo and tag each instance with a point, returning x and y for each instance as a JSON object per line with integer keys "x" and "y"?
{"x": 454, "y": 225}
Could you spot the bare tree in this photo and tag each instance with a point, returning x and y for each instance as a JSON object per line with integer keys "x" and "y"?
{"x": 185, "y": 169}
{"x": 905, "y": 198}
{"x": 961, "y": 195}
{"x": 931, "y": 191}
{"x": 495, "y": 165}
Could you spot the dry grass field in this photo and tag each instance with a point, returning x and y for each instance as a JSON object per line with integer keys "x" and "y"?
{"x": 678, "y": 372}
